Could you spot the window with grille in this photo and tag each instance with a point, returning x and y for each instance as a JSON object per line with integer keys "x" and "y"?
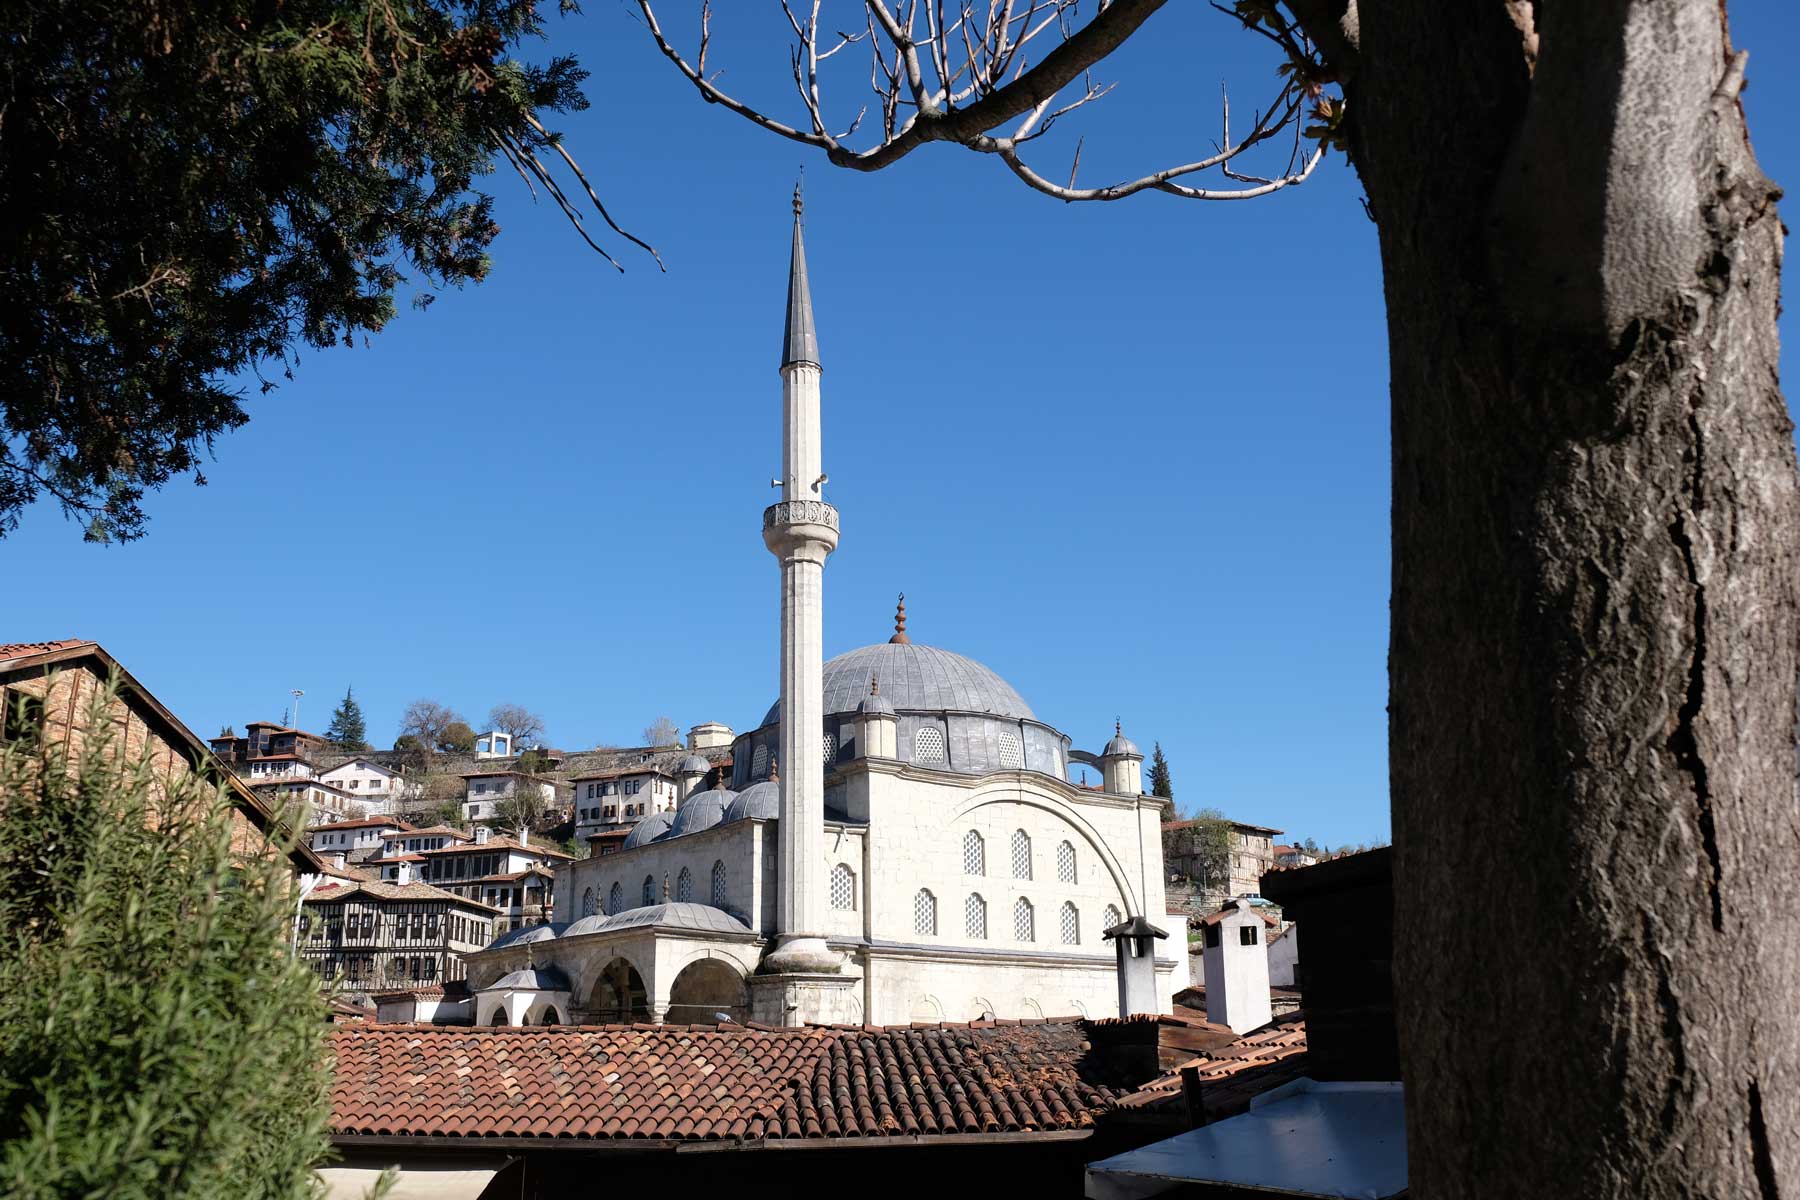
{"x": 1021, "y": 854}
{"x": 1024, "y": 921}
{"x": 843, "y": 887}
{"x": 928, "y": 745}
{"x": 1012, "y": 755}
{"x": 615, "y": 900}
{"x": 1110, "y": 918}
{"x": 925, "y": 913}
{"x": 759, "y": 763}
{"x": 649, "y": 890}
{"x": 974, "y": 854}
{"x": 975, "y": 916}
{"x": 718, "y": 884}
{"x": 1071, "y": 925}
{"x": 587, "y": 903}
{"x": 684, "y": 885}
{"x": 1065, "y": 863}
{"x": 830, "y": 748}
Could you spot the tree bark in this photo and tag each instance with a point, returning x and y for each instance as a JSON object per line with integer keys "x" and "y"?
{"x": 1593, "y": 660}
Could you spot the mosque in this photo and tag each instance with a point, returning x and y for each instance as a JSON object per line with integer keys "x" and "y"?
{"x": 898, "y": 841}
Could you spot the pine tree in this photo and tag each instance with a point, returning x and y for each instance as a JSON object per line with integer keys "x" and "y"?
{"x": 158, "y": 1037}
{"x": 1159, "y": 775}
{"x": 347, "y": 728}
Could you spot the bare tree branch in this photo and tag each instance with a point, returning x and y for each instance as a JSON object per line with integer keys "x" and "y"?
{"x": 961, "y": 70}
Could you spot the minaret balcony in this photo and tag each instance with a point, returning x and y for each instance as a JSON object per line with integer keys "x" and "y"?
{"x": 791, "y": 525}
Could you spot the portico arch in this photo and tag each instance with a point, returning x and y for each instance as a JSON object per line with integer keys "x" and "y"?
{"x": 1012, "y": 793}
{"x": 705, "y": 988}
{"x": 618, "y": 995}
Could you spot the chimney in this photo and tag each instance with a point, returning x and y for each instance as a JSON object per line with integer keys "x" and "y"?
{"x": 482, "y": 833}
{"x": 1134, "y": 942}
{"x": 1237, "y": 967}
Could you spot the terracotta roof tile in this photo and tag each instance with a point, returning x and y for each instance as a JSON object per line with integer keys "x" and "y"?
{"x": 1231, "y": 1075}
{"x": 695, "y": 1083}
{"x": 25, "y": 649}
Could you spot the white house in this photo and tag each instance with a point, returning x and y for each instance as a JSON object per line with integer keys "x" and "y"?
{"x": 486, "y": 790}
{"x": 626, "y": 795}
{"x": 379, "y": 787}
{"x": 417, "y": 841}
{"x": 356, "y": 838}
{"x": 278, "y": 766}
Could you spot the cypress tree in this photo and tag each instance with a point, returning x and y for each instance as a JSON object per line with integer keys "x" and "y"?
{"x": 1159, "y": 775}
{"x": 347, "y": 727}
{"x": 158, "y": 1038}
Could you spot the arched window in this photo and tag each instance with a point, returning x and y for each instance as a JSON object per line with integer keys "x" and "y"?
{"x": 615, "y": 900}
{"x": 1024, "y": 921}
{"x": 843, "y": 887}
{"x": 1065, "y": 863}
{"x": 1021, "y": 854}
{"x": 975, "y": 916}
{"x": 925, "y": 913}
{"x": 928, "y": 745}
{"x": 587, "y": 903}
{"x": 649, "y": 890}
{"x": 759, "y": 763}
{"x": 974, "y": 854}
{"x": 1012, "y": 757}
{"x": 1109, "y": 919}
{"x": 1071, "y": 924}
{"x": 830, "y": 748}
{"x": 718, "y": 884}
{"x": 684, "y": 886}
{"x": 550, "y": 1017}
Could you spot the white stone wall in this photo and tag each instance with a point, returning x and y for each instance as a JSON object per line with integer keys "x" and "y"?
{"x": 898, "y": 990}
{"x": 367, "y": 783}
{"x": 739, "y": 846}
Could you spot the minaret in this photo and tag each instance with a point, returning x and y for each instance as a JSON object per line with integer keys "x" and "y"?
{"x": 800, "y": 530}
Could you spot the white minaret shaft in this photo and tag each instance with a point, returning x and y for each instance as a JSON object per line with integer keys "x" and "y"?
{"x": 800, "y": 530}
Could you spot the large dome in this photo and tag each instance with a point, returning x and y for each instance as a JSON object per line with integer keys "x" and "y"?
{"x": 915, "y": 678}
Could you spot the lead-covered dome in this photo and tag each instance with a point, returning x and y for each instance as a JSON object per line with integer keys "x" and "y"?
{"x": 648, "y": 830}
{"x": 915, "y": 678}
{"x": 701, "y": 811}
{"x": 758, "y": 800}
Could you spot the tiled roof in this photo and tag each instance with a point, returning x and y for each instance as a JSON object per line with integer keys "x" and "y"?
{"x": 497, "y": 843}
{"x": 363, "y": 823}
{"x": 1230, "y": 1076}
{"x": 390, "y": 891}
{"x": 430, "y": 829}
{"x": 1193, "y": 821}
{"x": 1213, "y": 918}
{"x": 25, "y": 649}
{"x": 702, "y": 1083}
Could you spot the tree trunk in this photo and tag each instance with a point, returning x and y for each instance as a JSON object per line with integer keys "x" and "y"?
{"x": 1593, "y": 663}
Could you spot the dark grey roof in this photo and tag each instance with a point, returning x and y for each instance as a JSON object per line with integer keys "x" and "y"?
{"x": 758, "y": 800}
{"x": 677, "y": 915}
{"x": 531, "y": 979}
{"x": 648, "y": 830}
{"x": 701, "y": 811}
{"x": 799, "y": 341}
{"x": 525, "y": 933}
{"x": 1122, "y": 745}
{"x": 693, "y": 764}
{"x": 915, "y": 678}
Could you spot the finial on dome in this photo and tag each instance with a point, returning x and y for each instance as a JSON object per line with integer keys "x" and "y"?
{"x": 774, "y": 769}
{"x": 665, "y": 887}
{"x": 874, "y": 685}
{"x": 900, "y": 637}
{"x": 1118, "y": 727}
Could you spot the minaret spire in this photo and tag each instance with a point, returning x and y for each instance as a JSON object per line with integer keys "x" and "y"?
{"x": 800, "y": 530}
{"x": 800, "y": 341}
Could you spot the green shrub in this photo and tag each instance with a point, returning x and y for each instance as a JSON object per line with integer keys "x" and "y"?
{"x": 157, "y": 1038}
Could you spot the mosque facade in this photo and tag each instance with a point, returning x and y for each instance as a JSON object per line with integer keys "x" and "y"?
{"x": 898, "y": 841}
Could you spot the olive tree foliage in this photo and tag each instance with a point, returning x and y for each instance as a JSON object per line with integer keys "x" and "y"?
{"x": 158, "y": 1039}
{"x": 195, "y": 191}
{"x": 1595, "y": 614}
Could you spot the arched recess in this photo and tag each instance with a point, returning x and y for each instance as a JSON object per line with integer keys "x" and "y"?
{"x": 550, "y": 1016}
{"x": 618, "y": 996}
{"x": 705, "y": 988}
{"x": 499, "y": 1017}
{"x": 1011, "y": 793}
{"x": 926, "y": 1009}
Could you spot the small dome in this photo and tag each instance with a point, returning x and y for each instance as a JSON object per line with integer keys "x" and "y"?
{"x": 693, "y": 764}
{"x": 702, "y": 811}
{"x": 531, "y": 979}
{"x": 875, "y": 704}
{"x": 758, "y": 800}
{"x": 1122, "y": 745}
{"x": 648, "y": 830}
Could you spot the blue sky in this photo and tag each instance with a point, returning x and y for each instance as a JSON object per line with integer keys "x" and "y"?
{"x": 1132, "y": 456}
